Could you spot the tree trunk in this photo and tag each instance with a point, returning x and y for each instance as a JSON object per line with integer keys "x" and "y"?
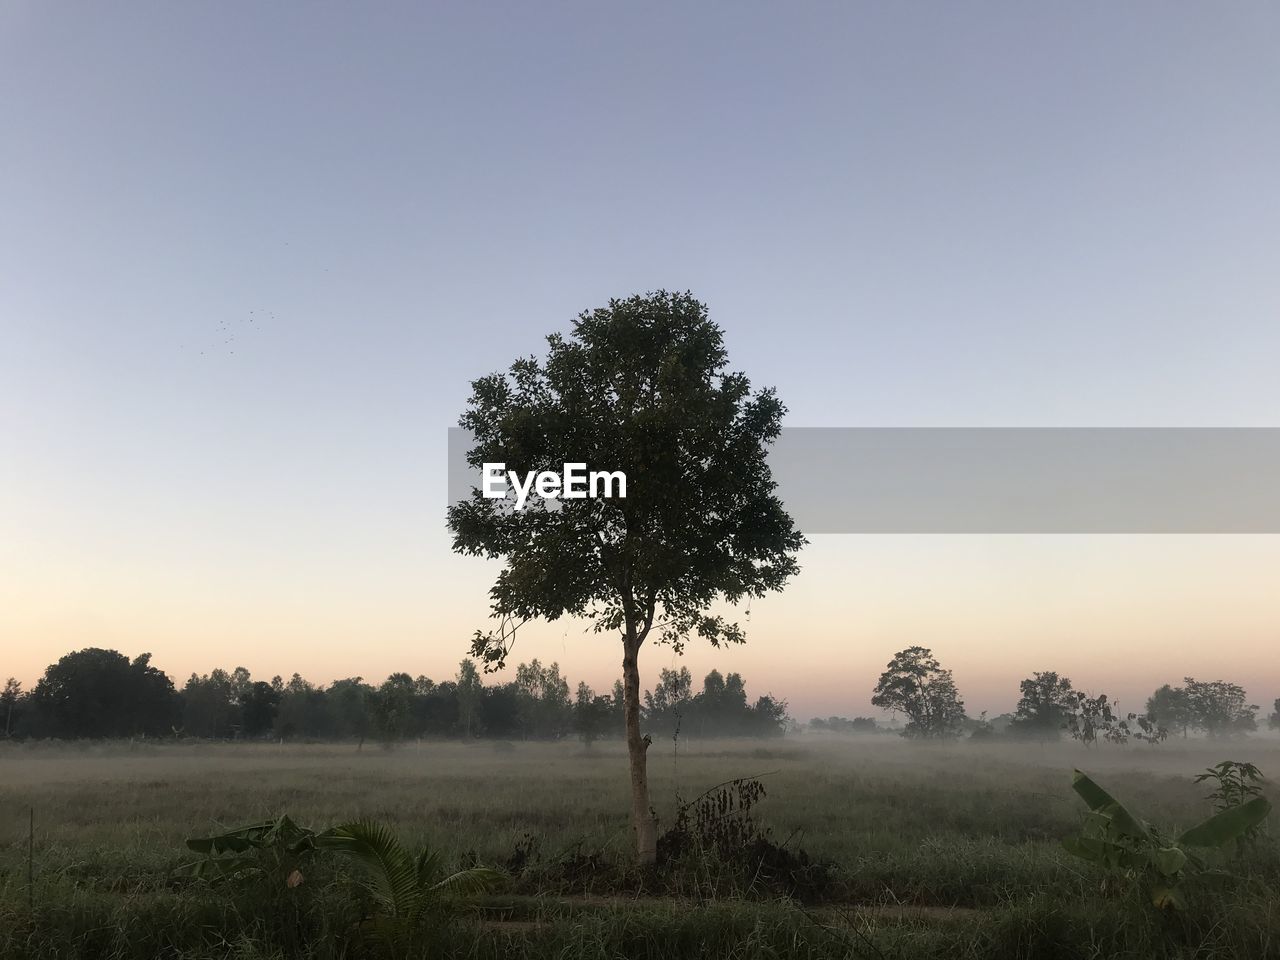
{"x": 642, "y": 821}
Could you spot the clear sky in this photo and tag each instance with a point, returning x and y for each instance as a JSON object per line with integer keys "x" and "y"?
{"x": 251, "y": 255}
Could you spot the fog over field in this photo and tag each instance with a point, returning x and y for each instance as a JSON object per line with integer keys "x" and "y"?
{"x": 935, "y": 849}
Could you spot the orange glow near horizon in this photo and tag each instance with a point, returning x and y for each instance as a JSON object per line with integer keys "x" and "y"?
{"x": 1115, "y": 613}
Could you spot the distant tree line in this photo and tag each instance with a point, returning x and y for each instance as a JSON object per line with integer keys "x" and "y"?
{"x": 845, "y": 725}
{"x": 101, "y": 693}
{"x": 720, "y": 709}
{"x": 915, "y": 686}
{"x": 96, "y": 693}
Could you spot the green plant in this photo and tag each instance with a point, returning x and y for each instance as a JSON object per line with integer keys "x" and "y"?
{"x": 1237, "y": 784}
{"x": 273, "y": 850}
{"x": 406, "y": 888}
{"x": 1128, "y": 847}
{"x": 1089, "y": 719}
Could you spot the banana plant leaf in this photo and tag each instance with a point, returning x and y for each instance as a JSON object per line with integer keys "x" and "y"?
{"x": 1225, "y": 826}
{"x": 1102, "y": 802}
{"x": 1169, "y": 861}
{"x": 282, "y": 831}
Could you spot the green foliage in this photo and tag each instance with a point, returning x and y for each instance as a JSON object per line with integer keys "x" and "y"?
{"x": 1216, "y": 707}
{"x": 101, "y": 693}
{"x": 1219, "y": 708}
{"x": 1168, "y": 707}
{"x": 274, "y": 850}
{"x": 981, "y": 728}
{"x": 407, "y": 889}
{"x": 1090, "y": 719}
{"x": 1128, "y": 847}
{"x": 639, "y": 386}
{"x": 544, "y": 705}
{"x": 591, "y": 714}
{"x": 1236, "y": 783}
{"x": 1047, "y": 701}
{"x": 470, "y": 692}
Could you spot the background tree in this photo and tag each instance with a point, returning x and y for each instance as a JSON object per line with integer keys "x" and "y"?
{"x": 393, "y": 707}
{"x": 470, "y": 691}
{"x": 1219, "y": 708}
{"x": 9, "y": 700}
{"x": 845, "y": 725}
{"x": 640, "y": 386}
{"x": 209, "y": 709}
{"x": 223, "y": 704}
{"x": 719, "y": 709}
{"x": 303, "y": 711}
{"x": 980, "y": 728}
{"x": 100, "y": 693}
{"x": 591, "y": 715}
{"x": 544, "y": 700}
{"x": 1169, "y": 708}
{"x": 667, "y": 703}
{"x": 1273, "y": 721}
{"x": 915, "y": 684}
{"x": 767, "y": 717}
{"x": 500, "y": 711}
{"x": 347, "y": 702}
{"x": 258, "y": 704}
{"x": 1045, "y": 704}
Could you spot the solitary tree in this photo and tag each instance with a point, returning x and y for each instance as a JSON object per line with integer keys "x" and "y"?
{"x": 639, "y": 386}
{"x": 914, "y": 683}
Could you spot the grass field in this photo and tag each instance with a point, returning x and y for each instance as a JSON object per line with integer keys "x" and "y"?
{"x": 939, "y": 850}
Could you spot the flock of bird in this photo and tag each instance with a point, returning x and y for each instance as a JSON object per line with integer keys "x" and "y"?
{"x": 227, "y": 329}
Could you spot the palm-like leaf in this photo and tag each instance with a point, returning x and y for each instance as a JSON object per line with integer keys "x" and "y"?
{"x": 429, "y": 868}
{"x": 469, "y": 883}
{"x": 392, "y": 873}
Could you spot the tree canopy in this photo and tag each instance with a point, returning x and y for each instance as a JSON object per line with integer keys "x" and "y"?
{"x": 1044, "y": 706}
{"x": 639, "y": 386}
{"x": 915, "y": 684}
{"x": 104, "y": 692}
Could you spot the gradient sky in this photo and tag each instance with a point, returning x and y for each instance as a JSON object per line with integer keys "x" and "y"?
{"x": 251, "y": 255}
